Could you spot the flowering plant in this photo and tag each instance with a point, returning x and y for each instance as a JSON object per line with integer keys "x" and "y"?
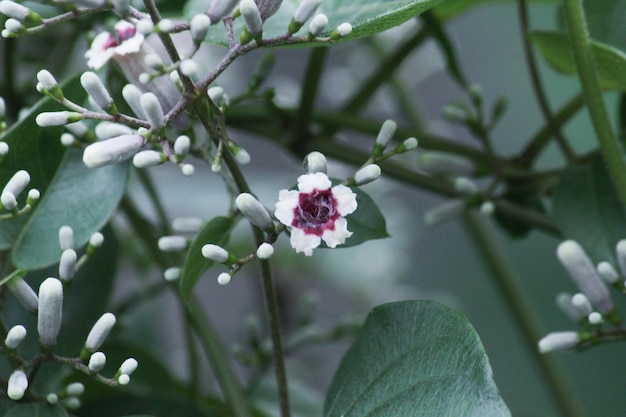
{"x": 138, "y": 139}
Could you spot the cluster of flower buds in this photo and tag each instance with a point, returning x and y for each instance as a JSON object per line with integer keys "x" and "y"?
{"x": 19, "y": 17}
{"x": 592, "y": 307}
{"x": 13, "y": 189}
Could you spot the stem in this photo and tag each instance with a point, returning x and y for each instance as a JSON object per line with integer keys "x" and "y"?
{"x": 508, "y": 283}
{"x": 612, "y": 150}
{"x": 538, "y": 85}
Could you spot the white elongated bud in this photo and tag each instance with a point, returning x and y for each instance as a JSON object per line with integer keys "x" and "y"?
{"x": 558, "y": 341}
{"x": 50, "y": 311}
{"x": 15, "y": 336}
{"x": 224, "y": 278}
{"x": 220, "y": 8}
{"x": 148, "y": 158}
{"x": 97, "y": 91}
{"x": 182, "y": 145}
{"x": 107, "y": 130}
{"x": 78, "y": 129}
{"x": 607, "y": 272}
{"x": 17, "y": 385}
{"x": 132, "y": 96}
{"x": 14, "y": 26}
{"x": 253, "y": 210}
{"x": 8, "y": 201}
{"x": 565, "y": 303}
{"x": 19, "y": 12}
{"x": 113, "y": 150}
{"x": 440, "y": 163}
{"x": 199, "y": 26}
{"x": 57, "y": 118}
{"x": 47, "y": 80}
{"x": 318, "y": 24}
{"x": 264, "y": 251}
{"x": 465, "y": 186}
{"x": 67, "y": 264}
{"x": 446, "y": 211}
{"x": 584, "y": 274}
{"x": 367, "y": 174}
{"x": 172, "y": 243}
{"x": 18, "y": 182}
{"x": 620, "y": 250}
{"x": 216, "y": 253}
{"x": 99, "y": 332}
{"x": 97, "y": 361}
{"x": 187, "y": 224}
{"x": 33, "y": 196}
{"x": 315, "y": 162}
{"x": 66, "y": 237}
{"x": 24, "y": 293}
{"x": 305, "y": 10}
{"x": 386, "y": 132}
{"x": 582, "y": 304}
{"x": 75, "y": 389}
{"x": 4, "y": 148}
{"x": 410, "y": 143}
{"x": 252, "y": 16}
{"x": 128, "y": 366}
{"x": 152, "y": 110}
{"x": 172, "y": 274}
{"x": 268, "y": 7}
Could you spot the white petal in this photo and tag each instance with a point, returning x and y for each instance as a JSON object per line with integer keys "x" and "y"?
{"x": 310, "y": 182}
{"x": 287, "y": 202}
{"x": 346, "y": 199}
{"x": 303, "y": 242}
{"x": 97, "y": 55}
{"x": 130, "y": 46}
{"x": 337, "y": 236}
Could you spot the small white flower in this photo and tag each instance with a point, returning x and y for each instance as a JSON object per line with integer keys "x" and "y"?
{"x": 106, "y": 46}
{"x": 316, "y": 212}
{"x": 97, "y": 91}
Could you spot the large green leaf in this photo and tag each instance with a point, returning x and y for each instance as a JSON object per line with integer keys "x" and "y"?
{"x": 367, "y": 17}
{"x": 452, "y": 8}
{"x": 610, "y": 61}
{"x": 415, "y": 359}
{"x": 587, "y": 209}
{"x": 217, "y": 231}
{"x": 36, "y": 410}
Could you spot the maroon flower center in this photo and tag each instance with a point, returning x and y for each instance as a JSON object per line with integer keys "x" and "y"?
{"x": 316, "y": 212}
{"x": 120, "y": 36}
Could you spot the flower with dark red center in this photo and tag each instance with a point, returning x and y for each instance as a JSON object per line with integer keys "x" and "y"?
{"x": 316, "y": 212}
{"x": 126, "y": 40}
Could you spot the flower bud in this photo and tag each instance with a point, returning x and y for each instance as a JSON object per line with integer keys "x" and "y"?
{"x": 558, "y": 341}
{"x": 595, "y": 318}
{"x": 190, "y": 68}
{"x": 47, "y": 80}
{"x": 305, "y": 10}
{"x": 172, "y": 243}
{"x": 254, "y": 211}
{"x": 52, "y": 398}
{"x": 18, "y": 182}
{"x": 57, "y": 118}
{"x": 97, "y": 361}
{"x": 67, "y": 139}
{"x": 218, "y": 254}
{"x": 264, "y": 251}
{"x": 215, "y": 94}
{"x": 187, "y": 224}
{"x": 17, "y": 385}
{"x": 4, "y": 148}
{"x": 607, "y": 272}
{"x": 199, "y": 27}
{"x": 75, "y": 389}
{"x": 385, "y": 134}
{"x": 145, "y": 159}
{"x": 98, "y": 92}
{"x": 584, "y": 275}
{"x": 107, "y": 130}
{"x": 165, "y": 26}
{"x": 96, "y": 240}
{"x": 78, "y": 129}
{"x": 315, "y": 162}
{"x": 123, "y": 379}
{"x": 152, "y": 110}
{"x": 132, "y": 96}
{"x": 19, "y": 12}
{"x": 487, "y": 208}
{"x": 367, "y": 174}
{"x": 50, "y": 311}
{"x": 8, "y": 201}
{"x": 268, "y": 7}
{"x": 220, "y": 8}
{"x": 251, "y": 15}
{"x": 187, "y": 169}
{"x": 24, "y": 293}
{"x": 465, "y": 186}
{"x": 317, "y": 25}
{"x": 66, "y": 237}
{"x": 182, "y": 145}
{"x": 14, "y": 27}
{"x": 566, "y": 305}
{"x": 128, "y": 366}
{"x": 582, "y": 304}
{"x": 99, "y": 332}
{"x": 15, "y": 336}
{"x": 172, "y": 274}
{"x": 440, "y": 163}
{"x": 224, "y": 278}
{"x": 408, "y": 144}
{"x": 113, "y": 150}
{"x": 342, "y": 30}
{"x": 446, "y": 211}
{"x": 67, "y": 264}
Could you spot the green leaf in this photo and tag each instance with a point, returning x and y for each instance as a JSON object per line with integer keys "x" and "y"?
{"x": 36, "y": 410}
{"x": 453, "y": 8}
{"x": 367, "y": 17}
{"x": 79, "y": 197}
{"x": 217, "y": 231}
{"x": 415, "y": 359}
{"x": 587, "y": 209}
{"x": 605, "y": 20}
{"x": 367, "y": 222}
{"x": 610, "y": 61}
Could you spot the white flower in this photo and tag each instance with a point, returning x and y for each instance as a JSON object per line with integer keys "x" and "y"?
{"x": 106, "y": 46}
{"x": 316, "y": 212}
